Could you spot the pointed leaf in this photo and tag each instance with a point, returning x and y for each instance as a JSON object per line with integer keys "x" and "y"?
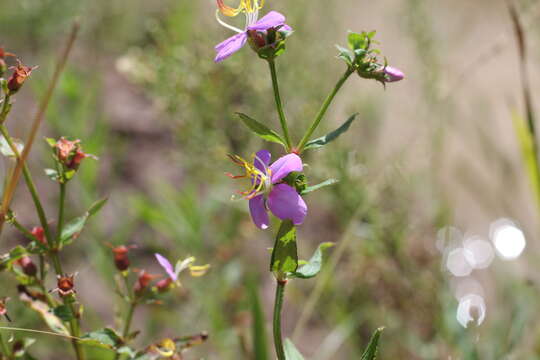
{"x": 260, "y": 345}
{"x": 284, "y": 254}
{"x": 318, "y": 186}
{"x": 314, "y": 265}
{"x": 261, "y": 130}
{"x": 72, "y": 229}
{"x": 291, "y": 352}
{"x": 317, "y": 143}
{"x": 105, "y": 337}
{"x": 371, "y": 351}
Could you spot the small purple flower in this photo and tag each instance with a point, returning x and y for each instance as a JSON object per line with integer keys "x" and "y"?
{"x": 269, "y": 192}
{"x": 181, "y": 265}
{"x": 393, "y": 74}
{"x": 228, "y": 47}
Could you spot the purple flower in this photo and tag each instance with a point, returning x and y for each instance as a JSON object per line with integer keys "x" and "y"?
{"x": 393, "y": 74}
{"x": 269, "y": 192}
{"x": 228, "y": 47}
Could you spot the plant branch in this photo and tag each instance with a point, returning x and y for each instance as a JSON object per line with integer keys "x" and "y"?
{"x": 323, "y": 109}
{"x": 279, "y": 105}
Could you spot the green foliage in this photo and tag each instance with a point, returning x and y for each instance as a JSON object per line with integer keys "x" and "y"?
{"x": 325, "y": 183}
{"x": 73, "y": 228}
{"x": 261, "y": 130}
{"x": 314, "y": 265}
{"x": 319, "y": 142}
{"x": 284, "y": 255}
{"x": 260, "y": 345}
{"x": 291, "y": 352}
{"x": 371, "y": 351}
{"x": 63, "y": 312}
{"x": 105, "y": 337}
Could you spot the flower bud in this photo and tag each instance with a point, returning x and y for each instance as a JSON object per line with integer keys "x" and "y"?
{"x": 164, "y": 285}
{"x": 121, "y": 260}
{"x": 143, "y": 281}
{"x": 19, "y": 76}
{"x": 393, "y": 74}
{"x": 269, "y": 44}
{"x": 39, "y": 234}
{"x": 27, "y": 265}
{"x": 65, "y": 285}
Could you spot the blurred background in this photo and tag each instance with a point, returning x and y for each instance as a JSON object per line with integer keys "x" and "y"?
{"x": 434, "y": 217}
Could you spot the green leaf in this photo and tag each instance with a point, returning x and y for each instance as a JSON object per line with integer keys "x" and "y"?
{"x": 72, "y": 229}
{"x": 291, "y": 352}
{"x": 526, "y": 144}
{"x": 15, "y": 254}
{"x": 105, "y": 337}
{"x": 260, "y": 345}
{"x": 317, "y": 143}
{"x": 314, "y": 265}
{"x": 346, "y": 55}
{"x": 371, "y": 351}
{"x": 63, "y": 312}
{"x": 53, "y": 321}
{"x": 284, "y": 254}
{"x": 356, "y": 41}
{"x": 261, "y": 130}
{"x": 318, "y": 186}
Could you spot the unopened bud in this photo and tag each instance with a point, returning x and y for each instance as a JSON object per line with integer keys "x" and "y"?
{"x": 3, "y": 65}
{"x": 164, "y": 285}
{"x": 393, "y": 74}
{"x": 143, "y": 281}
{"x": 3, "y": 308}
{"x": 39, "y": 234}
{"x": 121, "y": 260}
{"x": 27, "y": 265}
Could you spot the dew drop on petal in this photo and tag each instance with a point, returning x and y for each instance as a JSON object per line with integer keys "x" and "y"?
{"x": 471, "y": 309}
{"x": 480, "y": 253}
{"x": 508, "y": 239}
{"x": 457, "y": 263}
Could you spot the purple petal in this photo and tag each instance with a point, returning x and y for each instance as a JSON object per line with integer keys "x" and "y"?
{"x": 272, "y": 19}
{"x": 258, "y": 212}
{"x": 230, "y": 46}
{"x": 262, "y": 160}
{"x": 393, "y": 74}
{"x": 284, "y": 165}
{"x": 286, "y": 204}
{"x": 166, "y": 265}
{"x": 286, "y": 28}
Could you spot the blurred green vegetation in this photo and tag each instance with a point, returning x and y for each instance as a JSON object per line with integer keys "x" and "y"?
{"x": 143, "y": 94}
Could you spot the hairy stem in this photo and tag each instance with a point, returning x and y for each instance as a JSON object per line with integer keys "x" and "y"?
{"x": 278, "y": 305}
{"x": 279, "y": 106}
{"x": 323, "y": 110}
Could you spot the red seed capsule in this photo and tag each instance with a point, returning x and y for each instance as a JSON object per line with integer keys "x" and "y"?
{"x": 27, "y": 265}
{"x": 65, "y": 285}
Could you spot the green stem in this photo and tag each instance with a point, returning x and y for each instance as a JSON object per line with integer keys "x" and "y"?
{"x": 61, "y": 213}
{"x": 30, "y": 184}
{"x": 4, "y": 112}
{"x": 129, "y": 318}
{"x": 323, "y": 109}
{"x": 278, "y": 304}
{"x": 282, "y": 118}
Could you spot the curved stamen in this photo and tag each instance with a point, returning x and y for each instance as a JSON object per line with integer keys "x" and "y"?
{"x": 223, "y": 23}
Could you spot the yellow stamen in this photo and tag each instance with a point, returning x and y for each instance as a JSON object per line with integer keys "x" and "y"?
{"x": 247, "y": 6}
{"x": 258, "y": 178}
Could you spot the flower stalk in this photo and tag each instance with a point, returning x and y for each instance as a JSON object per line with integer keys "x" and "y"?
{"x": 278, "y": 306}
{"x": 323, "y": 109}
{"x": 279, "y": 105}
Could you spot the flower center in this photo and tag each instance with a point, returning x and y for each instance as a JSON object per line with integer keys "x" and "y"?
{"x": 260, "y": 181}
